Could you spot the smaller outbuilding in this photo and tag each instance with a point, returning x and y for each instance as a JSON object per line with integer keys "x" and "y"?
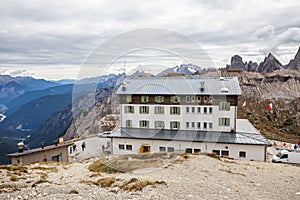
{"x": 56, "y": 153}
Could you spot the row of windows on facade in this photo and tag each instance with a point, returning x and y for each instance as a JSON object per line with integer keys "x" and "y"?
{"x": 242, "y": 154}
{"x": 176, "y": 124}
{"x": 176, "y": 109}
{"x": 173, "y": 99}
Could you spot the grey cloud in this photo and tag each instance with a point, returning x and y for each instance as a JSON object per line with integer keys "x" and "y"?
{"x": 265, "y": 32}
{"x": 64, "y": 32}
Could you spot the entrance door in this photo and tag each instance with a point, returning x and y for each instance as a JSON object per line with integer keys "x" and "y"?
{"x": 145, "y": 149}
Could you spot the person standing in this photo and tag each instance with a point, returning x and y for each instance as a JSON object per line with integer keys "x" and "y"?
{"x": 83, "y": 145}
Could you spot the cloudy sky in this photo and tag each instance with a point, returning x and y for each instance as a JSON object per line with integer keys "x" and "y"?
{"x": 53, "y": 39}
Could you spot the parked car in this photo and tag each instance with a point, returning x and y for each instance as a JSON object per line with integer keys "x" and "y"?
{"x": 285, "y": 156}
{"x": 104, "y": 134}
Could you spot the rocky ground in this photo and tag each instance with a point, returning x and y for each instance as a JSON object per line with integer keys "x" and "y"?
{"x": 170, "y": 177}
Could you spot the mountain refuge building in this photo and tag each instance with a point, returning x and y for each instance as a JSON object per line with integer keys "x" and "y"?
{"x": 185, "y": 114}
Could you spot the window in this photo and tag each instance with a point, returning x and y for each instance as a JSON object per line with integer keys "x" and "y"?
{"x": 187, "y": 99}
{"x": 174, "y": 110}
{"x": 128, "y": 123}
{"x": 210, "y": 125}
{"x": 199, "y": 125}
{"x": 217, "y": 152}
{"x": 193, "y": 124}
{"x": 242, "y": 154}
{"x": 159, "y": 99}
{"x": 171, "y": 149}
{"x": 187, "y": 124}
{"x": 121, "y": 146}
{"x": 129, "y": 147}
{"x": 193, "y": 109}
{"x": 187, "y": 109}
{"x": 224, "y": 121}
{"x": 159, "y": 110}
{"x": 205, "y": 99}
{"x": 174, "y": 125}
{"x": 192, "y": 99}
{"x": 210, "y": 99}
{"x": 129, "y": 109}
{"x": 198, "y": 99}
{"x": 128, "y": 98}
{"x": 199, "y": 109}
{"x": 205, "y": 125}
{"x": 144, "y": 109}
{"x": 224, "y": 153}
{"x": 205, "y": 110}
{"x": 175, "y": 99}
{"x": 162, "y": 149}
{"x": 159, "y": 124}
{"x": 224, "y": 106}
{"x": 188, "y": 150}
{"x": 144, "y": 99}
{"x": 210, "y": 110}
{"x": 144, "y": 124}
{"x": 197, "y": 150}
{"x": 284, "y": 156}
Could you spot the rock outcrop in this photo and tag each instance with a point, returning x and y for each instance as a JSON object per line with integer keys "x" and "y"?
{"x": 237, "y": 63}
{"x": 269, "y": 64}
{"x": 294, "y": 63}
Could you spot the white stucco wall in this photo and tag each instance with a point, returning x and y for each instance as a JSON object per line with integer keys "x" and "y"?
{"x": 253, "y": 152}
{"x": 183, "y": 117}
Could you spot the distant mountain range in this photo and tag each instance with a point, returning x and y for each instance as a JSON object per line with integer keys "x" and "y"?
{"x": 269, "y": 64}
{"x": 11, "y": 87}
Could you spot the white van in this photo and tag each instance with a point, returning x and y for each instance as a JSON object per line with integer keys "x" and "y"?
{"x": 285, "y": 156}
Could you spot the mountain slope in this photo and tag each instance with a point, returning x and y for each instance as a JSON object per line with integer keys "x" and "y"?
{"x": 31, "y": 115}
{"x": 32, "y": 95}
{"x": 11, "y": 87}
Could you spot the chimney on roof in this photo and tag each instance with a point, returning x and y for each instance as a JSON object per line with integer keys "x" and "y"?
{"x": 123, "y": 85}
{"x": 42, "y": 145}
{"x": 20, "y": 147}
{"x": 201, "y": 86}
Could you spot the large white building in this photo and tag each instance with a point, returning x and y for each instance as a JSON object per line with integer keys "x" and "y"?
{"x": 185, "y": 114}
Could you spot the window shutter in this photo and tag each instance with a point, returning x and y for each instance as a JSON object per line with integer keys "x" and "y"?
{"x": 162, "y": 99}
{"x": 228, "y": 120}
{"x": 227, "y": 106}
{"x": 140, "y": 123}
{"x": 147, "y": 109}
{"x": 156, "y": 98}
{"x": 132, "y": 109}
{"x": 140, "y": 109}
{"x": 171, "y": 109}
{"x": 163, "y": 110}
{"x": 129, "y": 98}
{"x": 178, "y": 110}
{"x": 220, "y": 121}
{"x": 220, "y": 106}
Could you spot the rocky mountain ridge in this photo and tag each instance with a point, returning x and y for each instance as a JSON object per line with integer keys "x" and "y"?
{"x": 269, "y": 64}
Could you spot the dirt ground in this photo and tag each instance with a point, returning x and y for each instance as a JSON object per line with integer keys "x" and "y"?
{"x": 178, "y": 177}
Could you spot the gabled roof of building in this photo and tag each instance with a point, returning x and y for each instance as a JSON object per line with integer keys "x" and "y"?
{"x": 31, "y": 151}
{"x": 181, "y": 86}
{"x": 246, "y": 134}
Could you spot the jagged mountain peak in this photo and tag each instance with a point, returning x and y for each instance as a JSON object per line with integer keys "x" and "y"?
{"x": 294, "y": 63}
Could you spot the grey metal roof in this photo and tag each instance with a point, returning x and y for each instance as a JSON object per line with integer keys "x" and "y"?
{"x": 46, "y": 148}
{"x": 180, "y": 86}
{"x": 192, "y": 136}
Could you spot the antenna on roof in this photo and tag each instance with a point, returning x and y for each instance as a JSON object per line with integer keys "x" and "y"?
{"x": 124, "y": 65}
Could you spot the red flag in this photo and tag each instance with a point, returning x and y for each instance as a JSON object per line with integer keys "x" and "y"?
{"x": 270, "y": 106}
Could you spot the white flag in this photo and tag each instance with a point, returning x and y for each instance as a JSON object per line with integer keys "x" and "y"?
{"x": 244, "y": 104}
